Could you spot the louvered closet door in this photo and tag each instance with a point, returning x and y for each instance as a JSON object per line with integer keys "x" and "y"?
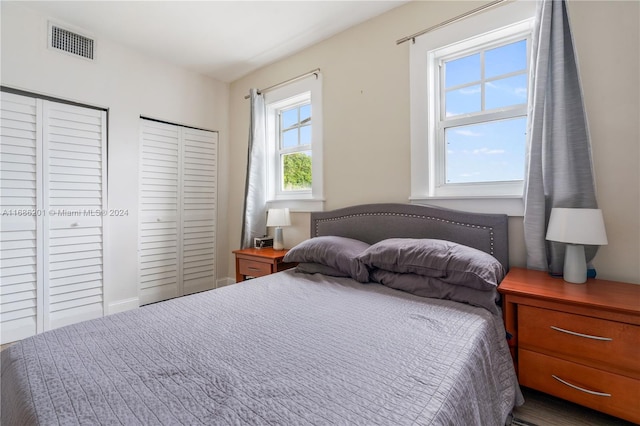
{"x": 75, "y": 195}
{"x": 52, "y": 195}
{"x": 20, "y": 178}
{"x": 199, "y": 189}
{"x": 178, "y": 187}
{"x": 158, "y": 250}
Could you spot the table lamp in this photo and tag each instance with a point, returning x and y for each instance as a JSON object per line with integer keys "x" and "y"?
{"x": 576, "y": 227}
{"x": 278, "y": 218}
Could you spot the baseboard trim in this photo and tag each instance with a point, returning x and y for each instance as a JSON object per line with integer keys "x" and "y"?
{"x": 134, "y": 302}
{"x": 222, "y": 282}
{"x": 123, "y": 305}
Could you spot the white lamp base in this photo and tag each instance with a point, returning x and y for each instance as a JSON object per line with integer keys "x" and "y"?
{"x": 575, "y": 264}
{"x": 278, "y": 241}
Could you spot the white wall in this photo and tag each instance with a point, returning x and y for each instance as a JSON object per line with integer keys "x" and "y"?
{"x": 129, "y": 85}
{"x": 607, "y": 37}
{"x": 366, "y": 119}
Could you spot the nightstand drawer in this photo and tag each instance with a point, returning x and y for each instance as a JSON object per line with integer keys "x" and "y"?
{"x": 597, "y": 342}
{"x": 253, "y": 269}
{"x": 603, "y": 391}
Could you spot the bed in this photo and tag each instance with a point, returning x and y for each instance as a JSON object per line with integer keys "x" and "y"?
{"x": 316, "y": 347}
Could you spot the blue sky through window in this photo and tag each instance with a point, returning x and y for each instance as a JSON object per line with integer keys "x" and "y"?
{"x": 506, "y": 92}
{"x": 296, "y": 126}
{"x": 506, "y": 59}
{"x": 486, "y": 152}
{"x": 289, "y": 118}
{"x": 483, "y": 83}
{"x": 462, "y": 71}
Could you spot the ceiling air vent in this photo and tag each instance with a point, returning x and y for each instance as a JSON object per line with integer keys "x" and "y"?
{"x": 70, "y": 42}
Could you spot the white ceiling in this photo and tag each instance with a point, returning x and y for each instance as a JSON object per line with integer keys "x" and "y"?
{"x": 223, "y": 39}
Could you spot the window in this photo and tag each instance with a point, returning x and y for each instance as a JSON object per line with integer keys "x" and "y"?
{"x": 481, "y": 115}
{"x": 469, "y": 105}
{"x": 294, "y": 145}
{"x": 294, "y": 148}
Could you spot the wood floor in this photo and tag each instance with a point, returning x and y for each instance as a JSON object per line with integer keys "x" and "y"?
{"x": 544, "y": 410}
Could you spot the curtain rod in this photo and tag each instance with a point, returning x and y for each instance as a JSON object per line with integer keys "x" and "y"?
{"x": 449, "y": 21}
{"x": 291, "y": 80}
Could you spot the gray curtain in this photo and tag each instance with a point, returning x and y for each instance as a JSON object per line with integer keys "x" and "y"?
{"x": 254, "y": 223}
{"x": 559, "y": 169}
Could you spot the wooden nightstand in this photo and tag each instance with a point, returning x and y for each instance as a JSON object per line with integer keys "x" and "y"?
{"x": 254, "y": 262}
{"x": 579, "y": 342}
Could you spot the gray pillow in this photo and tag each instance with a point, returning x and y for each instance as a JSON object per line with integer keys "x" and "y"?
{"x": 438, "y": 289}
{"x": 339, "y": 253}
{"x": 451, "y": 262}
{"x": 319, "y": 268}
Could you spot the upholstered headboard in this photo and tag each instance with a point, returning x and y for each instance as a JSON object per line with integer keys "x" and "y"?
{"x": 375, "y": 222}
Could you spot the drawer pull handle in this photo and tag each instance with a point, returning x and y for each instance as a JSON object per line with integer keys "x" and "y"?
{"x": 579, "y": 388}
{"x": 251, "y": 268}
{"x": 588, "y": 336}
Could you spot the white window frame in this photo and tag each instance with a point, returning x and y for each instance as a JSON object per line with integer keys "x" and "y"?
{"x": 306, "y": 90}
{"x": 280, "y": 151}
{"x": 500, "y": 25}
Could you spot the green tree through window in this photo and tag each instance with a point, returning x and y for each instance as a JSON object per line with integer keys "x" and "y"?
{"x": 297, "y": 171}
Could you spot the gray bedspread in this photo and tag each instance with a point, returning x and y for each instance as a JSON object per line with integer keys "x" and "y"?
{"x": 286, "y": 349}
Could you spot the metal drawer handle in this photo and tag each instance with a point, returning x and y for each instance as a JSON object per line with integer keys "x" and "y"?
{"x": 588, "y": 336}
{"x": 579, "y": 388}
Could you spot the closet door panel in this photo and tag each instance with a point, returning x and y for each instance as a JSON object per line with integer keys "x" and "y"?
{"x": 199, "y": 206}
{"x": 20, "y": 233}
{"x": 159, "y": 257}
{"x": 75, "y": 192}
{"x": 19, "y": 276}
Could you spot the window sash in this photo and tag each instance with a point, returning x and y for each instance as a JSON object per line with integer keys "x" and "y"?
{"x": 443, "y": 188}
{"x": 281, "y": 152}
{"x": 438, "y": 59}
{"x": 441, "y": 56}
{"x": 299, "y": 123}
{"x": 509, "y": 187}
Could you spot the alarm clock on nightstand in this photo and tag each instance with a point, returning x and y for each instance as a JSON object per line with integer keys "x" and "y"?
{"x": 263, "y": 242}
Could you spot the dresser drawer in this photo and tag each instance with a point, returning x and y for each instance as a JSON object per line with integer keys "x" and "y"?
{"x": 607, "y": 392}
{"x": 252, "y": 268}
{"x": 600, "y": 343}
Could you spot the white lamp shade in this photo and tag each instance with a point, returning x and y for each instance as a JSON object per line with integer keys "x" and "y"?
{"x": 278, "y": 217}
{"x": 577, "y": 226}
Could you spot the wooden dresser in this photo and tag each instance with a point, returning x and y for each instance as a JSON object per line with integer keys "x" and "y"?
{"x": 579, "y": 342}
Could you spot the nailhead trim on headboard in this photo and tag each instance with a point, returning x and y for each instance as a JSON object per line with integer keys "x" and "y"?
{"x": 415, "y": 216}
